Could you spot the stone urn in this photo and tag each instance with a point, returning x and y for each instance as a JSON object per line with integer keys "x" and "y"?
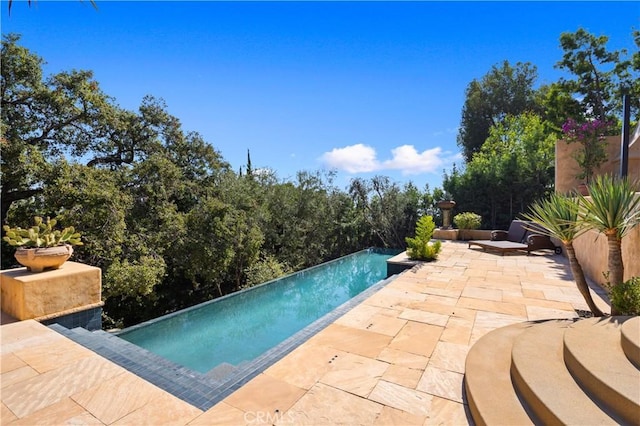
{"x": 39, "y": 259}
{"x": 446, "y": 206}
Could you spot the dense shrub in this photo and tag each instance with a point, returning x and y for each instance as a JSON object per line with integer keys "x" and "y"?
{"x": 466, "y": 220}
{"x": 625, "y": 297}
{"x": 421, "y": 247}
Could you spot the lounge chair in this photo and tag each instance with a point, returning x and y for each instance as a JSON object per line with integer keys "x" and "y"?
{"x": 521, "y": 236}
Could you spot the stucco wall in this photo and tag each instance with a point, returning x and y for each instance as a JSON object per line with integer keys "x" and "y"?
{"x": 592, "y": 252}
{"x": 591, "y": 248}
{"x": 567, "y": 167}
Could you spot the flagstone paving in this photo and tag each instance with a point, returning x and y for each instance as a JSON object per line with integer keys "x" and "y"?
{"x": 397, "y": 358}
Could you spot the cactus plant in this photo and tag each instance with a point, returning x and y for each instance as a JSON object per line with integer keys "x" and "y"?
{"x": 42, "y": 234}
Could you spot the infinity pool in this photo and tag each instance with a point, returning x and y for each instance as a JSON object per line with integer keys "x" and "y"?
{"x": 239, "y": 327}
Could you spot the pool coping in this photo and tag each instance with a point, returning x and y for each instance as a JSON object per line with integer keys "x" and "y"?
{"x": 195, "y": 388}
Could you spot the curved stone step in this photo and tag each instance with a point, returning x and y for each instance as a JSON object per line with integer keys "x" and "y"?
{"x": 490, "y": 393}
{"x": 630, "y": 340}
{"x": 543, "y": 381}
{"x": 594, "y": 356}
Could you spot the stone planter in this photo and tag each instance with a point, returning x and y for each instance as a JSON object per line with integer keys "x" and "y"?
{"x": 39, "y": 259}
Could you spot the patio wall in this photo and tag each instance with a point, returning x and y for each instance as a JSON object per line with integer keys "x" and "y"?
{"x": 567, "y": 167}
{"x": 591, "y": 248}
{"x": 592, "y": 252}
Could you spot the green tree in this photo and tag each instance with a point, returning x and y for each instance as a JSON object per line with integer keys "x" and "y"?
{"x": 512, "y": 169}
{"x": 43, "y": 119}
{"x": 613, "y": 209}
{"x": 421, "y": 247}
{"x": 559, "y": 217}
{"x": 389, "y": 211}
{"x": 504, "y": 90}
{"x": 599, "y": 75}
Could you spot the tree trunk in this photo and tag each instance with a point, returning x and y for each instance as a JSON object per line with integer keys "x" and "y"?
{"x": 616, "y": 268}
{"x": 581, "y": 282}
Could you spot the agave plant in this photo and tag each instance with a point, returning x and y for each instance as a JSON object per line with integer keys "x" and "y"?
{"x": 613, "y": 209}
{"x": 559, "y": 217}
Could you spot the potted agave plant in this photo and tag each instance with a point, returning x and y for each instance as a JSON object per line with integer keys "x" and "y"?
{"x": 41, "y": 246}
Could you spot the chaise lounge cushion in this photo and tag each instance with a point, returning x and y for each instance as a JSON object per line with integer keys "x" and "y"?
{"x": 521, "y": 236}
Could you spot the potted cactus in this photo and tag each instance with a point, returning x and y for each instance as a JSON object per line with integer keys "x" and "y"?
{"x": 41, "y": 246}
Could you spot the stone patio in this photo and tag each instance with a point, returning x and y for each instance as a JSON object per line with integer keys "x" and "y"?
{"x": 397, "y": 358}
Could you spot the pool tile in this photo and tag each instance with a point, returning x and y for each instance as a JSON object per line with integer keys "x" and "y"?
{"x": 445, "y": 412}
{"x": 10, "y": 362}
{"x": 430, "y": 306}
{"x": 23, "y": 334}
{"x": 449, "y": 356}
{"x": 359, "y": 316}
{"x": 403, "y": 376}
{"x": 6, "y": 415}
{"x": 457, "y": 330}
{"x": 355, "y": 374}
{"x": 442, "y": 292}
{"x": 305, "y": 365}
{"x": 417, "y": 338}
{"x": 64, "y": 412}
{"x": 393, "y": 417}
{"x": 164, "y": 410}
{"x": 424, "y": 317}
{"x": 116, "y": 397}
{"x": 386, "y": 324}
{"x": 265, "y": 394}
{"x": 324, "y": 405}
{"x": 403, "y": 359}
{"x": 221, "y": 414}
{"x": 33, "y": 394}
{"x": 405, "y": 284}
{"x": 482, "y": 293}
{"x": 390, "y": 301}
{"x": 47, "y": 356}
{"x": 409, "y": 400}
{"x": 537, "y": 313}
{"x": 14, "y": 376}
{"x": 515, "y": 309}
{"x": 348, "y": 339}
{"x": 442, "y": 383}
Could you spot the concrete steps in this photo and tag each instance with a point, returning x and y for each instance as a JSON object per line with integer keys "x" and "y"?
{"x": 594, "y": 355}
{"x": 630, "y": 343}
{"x": 556, "y": 372}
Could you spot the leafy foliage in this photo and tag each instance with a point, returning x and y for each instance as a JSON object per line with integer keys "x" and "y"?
{"x": 505, "y": 90}
{"x": 593, "y": 152}
{"x": 421, "y": 247}
{"x": 513, "y": 168}
{"x": 625, "y": 297}
{"x": 467, "y": 220}
{"x": 613, "y": 209}
{"x": 600, "y": 75}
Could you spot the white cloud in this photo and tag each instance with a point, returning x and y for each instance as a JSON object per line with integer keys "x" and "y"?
{"x": 361, "y": 158}
{"x": 410, "y": 162}
{"x": 353, "y": 159}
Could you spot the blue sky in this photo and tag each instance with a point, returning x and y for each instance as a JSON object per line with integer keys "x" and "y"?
{"x": 363, "y": 88}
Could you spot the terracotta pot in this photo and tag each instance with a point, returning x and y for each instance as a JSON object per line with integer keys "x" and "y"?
{"x": 39, "y": 259}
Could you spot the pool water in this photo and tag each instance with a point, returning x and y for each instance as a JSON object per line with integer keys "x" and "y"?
{"x": 240, "y": 327}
